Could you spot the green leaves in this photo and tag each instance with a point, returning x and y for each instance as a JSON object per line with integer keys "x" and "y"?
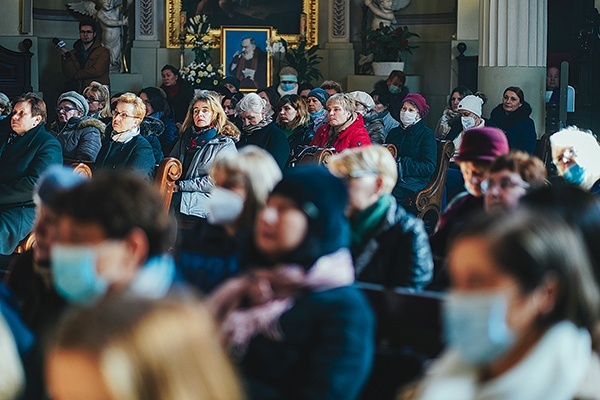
{"x": 388, "y": 44}
{"x": 304, "y": 61}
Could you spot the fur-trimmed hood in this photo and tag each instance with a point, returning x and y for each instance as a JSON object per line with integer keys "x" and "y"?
{"x": 79, "y": 123}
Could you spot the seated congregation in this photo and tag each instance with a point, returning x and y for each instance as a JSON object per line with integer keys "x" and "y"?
{"x": 295, "y": 244}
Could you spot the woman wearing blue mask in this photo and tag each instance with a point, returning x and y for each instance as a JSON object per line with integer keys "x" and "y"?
{"x": 521, "y": 316}
{"x": 575, "y": 154}
{"x": 417, "y": 150}
{"x": 211, "y": 252}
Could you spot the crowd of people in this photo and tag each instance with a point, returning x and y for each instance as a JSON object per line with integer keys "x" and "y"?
{"x": 246, "y": 287}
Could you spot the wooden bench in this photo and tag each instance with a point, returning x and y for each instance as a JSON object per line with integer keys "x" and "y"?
{"x": 427, "y": 203}
{"x": 168, "y": 172}
{"x": 408, "y": 335}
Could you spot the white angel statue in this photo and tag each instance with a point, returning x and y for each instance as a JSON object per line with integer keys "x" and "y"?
{"x": 112, "y": 22}
{"x": 383, "y": 11}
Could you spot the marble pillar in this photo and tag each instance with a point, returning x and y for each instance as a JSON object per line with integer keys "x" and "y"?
{"x": 338, "y": 53}
{"x": 512, "y": 52}
{"x": 146, "y": 44}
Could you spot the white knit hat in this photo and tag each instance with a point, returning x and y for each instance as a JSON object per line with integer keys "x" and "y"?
{"x": 471, "y": 103}
{"x": 364, "y": 98}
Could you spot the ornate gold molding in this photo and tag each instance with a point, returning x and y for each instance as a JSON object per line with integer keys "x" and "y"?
{"x": 173, "y": 8}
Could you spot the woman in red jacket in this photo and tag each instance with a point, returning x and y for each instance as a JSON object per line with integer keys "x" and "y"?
{"x": 345, "y": 129}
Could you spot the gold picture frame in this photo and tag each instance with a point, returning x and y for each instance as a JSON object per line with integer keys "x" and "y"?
{"x": 308, "y": 25}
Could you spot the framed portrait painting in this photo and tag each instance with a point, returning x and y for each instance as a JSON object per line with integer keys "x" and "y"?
{"x": 289, "y": 19}
{"x": 244, "y": 56}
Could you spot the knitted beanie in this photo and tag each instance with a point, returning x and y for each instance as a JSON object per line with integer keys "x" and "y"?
{"x": 78, "y": 100}
{"x": 320, "y": 95}
{"x": 419, "y": 102}
{"x": 471, "y": 103}
{"x": 482, "y": 144}
{"x": 54, "y": 180}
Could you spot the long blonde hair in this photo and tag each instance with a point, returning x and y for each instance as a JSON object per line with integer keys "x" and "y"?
{"x": 147, "y": 349}
{"x": 101, "y": 94}
{"x": 219, "y": 119}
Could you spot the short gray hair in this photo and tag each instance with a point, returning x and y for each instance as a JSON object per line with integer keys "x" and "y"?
{"x": 251, "y": 102}
{"x": 5, "y": 102}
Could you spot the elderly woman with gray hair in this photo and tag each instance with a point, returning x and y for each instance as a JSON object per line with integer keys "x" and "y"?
{"x": 576, "y": 153}
{"x": 5, "y": 106}
{"x": 259, "y": 129}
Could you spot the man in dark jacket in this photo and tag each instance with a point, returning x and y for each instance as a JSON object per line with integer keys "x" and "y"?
{"x": 389, "y": 246}
{"x": 26, "y": 150}
{"x": 393, "y": 87}
{"x": 88, "y": 61}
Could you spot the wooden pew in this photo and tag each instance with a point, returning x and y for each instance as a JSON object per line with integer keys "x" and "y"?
{"x": 408, "y": 336}
{"x": 168, "y": 172}
{"x": 427, "y": 203}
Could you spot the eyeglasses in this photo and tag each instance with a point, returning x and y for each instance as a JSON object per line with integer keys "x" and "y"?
{"x": 86, "y": 32}
{"x": 91, "y": 99}
{"x": 503, "y": 184}
{"x": 116, "y": 114}
{"x": 65, "y": 109}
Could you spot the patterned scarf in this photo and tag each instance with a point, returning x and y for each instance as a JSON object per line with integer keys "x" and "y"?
{"x": 261, "y": 317}
{"x": 255, "y": 127}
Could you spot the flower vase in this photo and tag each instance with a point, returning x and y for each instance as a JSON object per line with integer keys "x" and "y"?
{"x": 384, "y": 68}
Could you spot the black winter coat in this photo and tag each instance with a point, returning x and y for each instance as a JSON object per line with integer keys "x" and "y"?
{"x": 397, "y": 253}
{"x": 270, "y": 138}
{"x": 518, "y": 127}
{"x": 417, "y": 155}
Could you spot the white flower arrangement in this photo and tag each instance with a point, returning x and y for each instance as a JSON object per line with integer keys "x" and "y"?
{"x": 201, "y": 75}
{"x": 276, "y": 45}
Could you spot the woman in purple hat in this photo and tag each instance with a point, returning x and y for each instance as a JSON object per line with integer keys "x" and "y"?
{"x": 478, "y": 149}
{"x": 417, "y": 150}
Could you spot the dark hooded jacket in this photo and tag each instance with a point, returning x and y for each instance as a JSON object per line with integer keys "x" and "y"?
{"x": 396, "y": 100}
{"x": 518, "y": 127}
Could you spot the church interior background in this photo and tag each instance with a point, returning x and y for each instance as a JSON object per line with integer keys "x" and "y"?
{"x": 515, "y": 53}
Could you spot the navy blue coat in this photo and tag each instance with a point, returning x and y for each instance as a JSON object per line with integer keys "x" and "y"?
{"x": 136, "y": 155}
{"x": 417, "y": 155}
{"x": 326, "y": 352}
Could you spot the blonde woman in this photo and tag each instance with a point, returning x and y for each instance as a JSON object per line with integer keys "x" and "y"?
{"x": 205, "y": 133}
{"x": 345, "y": 128}
{"x": 123, "y": 146}
{"x": 98, "y": 96}
{"x": 242, "y": 182}
{"x": 140, "y": 349}
{"x": 389, "y": 246}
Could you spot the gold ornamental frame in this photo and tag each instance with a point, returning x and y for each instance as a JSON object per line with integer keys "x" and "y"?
{"x": 309, "y": 10}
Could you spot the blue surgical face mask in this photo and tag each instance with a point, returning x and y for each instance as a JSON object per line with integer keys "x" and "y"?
{"x": 74, "y": 274}
{"x": 475, "y": 325}
{"x": 575, "y": 174}
{"x": 287, "y": 87}
{"x": 394, "y": 89}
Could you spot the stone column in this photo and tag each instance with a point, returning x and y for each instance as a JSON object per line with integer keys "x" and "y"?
{"x": 512, "y": 52}
{"x": 144, "y": 53}
{"x": 339, "y": 51}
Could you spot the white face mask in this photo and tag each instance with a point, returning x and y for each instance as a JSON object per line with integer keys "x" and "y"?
{"x": 467, "y": 122}
{"x": 409, "y": 118}
{"x": 224, "y": 206}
